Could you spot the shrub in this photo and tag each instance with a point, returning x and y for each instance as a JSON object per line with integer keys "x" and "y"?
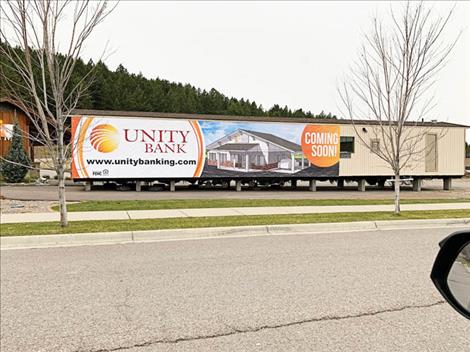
{"x": 16, "y": 163}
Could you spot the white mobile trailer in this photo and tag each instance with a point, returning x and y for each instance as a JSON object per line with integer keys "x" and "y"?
{"x": 266, "y": 150}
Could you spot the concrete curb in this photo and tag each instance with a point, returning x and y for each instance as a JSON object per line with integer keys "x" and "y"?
{"x": 44, "y": 241}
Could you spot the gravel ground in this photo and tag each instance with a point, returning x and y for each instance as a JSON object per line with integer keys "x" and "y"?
{"x": 8, "y": 206}
{"x": 325, "y": 190}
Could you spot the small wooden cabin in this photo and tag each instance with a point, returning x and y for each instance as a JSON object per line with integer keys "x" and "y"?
{"x": 9, "y": 115}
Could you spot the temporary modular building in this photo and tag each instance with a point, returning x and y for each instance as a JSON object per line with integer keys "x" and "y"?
{"x": 128, "y": 146}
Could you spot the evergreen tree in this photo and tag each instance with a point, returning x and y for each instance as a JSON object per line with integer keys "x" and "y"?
{"x": 122, "y": 90}
{"x": 16, "y": 163}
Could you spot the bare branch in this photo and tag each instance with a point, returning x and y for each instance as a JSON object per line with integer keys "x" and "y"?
{"x": 37, "y": 77}
{"x": 391, "y": 80}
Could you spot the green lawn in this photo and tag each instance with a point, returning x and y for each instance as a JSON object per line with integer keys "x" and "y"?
{"x": 229, "y": 203}
{"x": 48, "y": 228}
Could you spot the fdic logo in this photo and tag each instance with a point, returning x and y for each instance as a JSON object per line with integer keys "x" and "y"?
{"x": 104, "y": 138}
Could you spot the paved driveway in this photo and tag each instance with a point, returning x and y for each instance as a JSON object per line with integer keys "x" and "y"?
{"x": 325, "y": 292}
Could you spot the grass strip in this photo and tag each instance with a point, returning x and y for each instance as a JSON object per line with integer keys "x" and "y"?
{"x": 230, "y": 203}
{"x": 47, "y": 228}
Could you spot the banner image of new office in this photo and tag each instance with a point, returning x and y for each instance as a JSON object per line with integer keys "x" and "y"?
{"x": 244, "y": 150}
{"x": 264, "y": 150}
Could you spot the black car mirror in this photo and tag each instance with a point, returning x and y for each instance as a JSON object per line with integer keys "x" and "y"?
{"x": 451, "y": 271}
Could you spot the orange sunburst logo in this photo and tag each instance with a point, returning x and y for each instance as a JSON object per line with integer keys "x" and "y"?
{"x": 104, "y": 138}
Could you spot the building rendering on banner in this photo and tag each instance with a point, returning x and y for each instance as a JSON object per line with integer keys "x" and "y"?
{"x": 255, "y": 151}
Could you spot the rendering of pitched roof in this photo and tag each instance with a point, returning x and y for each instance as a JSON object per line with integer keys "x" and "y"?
{"x": 276, "y": 140}
{"x": 236, "y": 146}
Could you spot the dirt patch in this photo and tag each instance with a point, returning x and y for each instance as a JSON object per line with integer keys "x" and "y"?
{"x": 8, "y": 206}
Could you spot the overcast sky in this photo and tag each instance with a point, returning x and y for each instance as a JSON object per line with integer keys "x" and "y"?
{"x": 287, "y": 53}
{"x": 272, "y": 52}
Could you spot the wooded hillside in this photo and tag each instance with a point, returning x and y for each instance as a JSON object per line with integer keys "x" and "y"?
{"x": 121, "y": 90}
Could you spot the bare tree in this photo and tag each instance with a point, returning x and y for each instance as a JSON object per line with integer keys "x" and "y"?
{"x": 389, "y": 85}
{"x": 37, "y": 71}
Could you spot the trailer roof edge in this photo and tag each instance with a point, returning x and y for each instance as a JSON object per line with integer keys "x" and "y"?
{"x": 148, "y": 114}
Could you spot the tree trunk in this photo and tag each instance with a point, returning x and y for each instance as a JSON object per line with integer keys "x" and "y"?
{"x": 61, "y": 177}
{"x": 62, "y": 200}
{"x": 397, "y": 193}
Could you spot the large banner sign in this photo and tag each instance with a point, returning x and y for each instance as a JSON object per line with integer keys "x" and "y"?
{"x": 152, "y": 148}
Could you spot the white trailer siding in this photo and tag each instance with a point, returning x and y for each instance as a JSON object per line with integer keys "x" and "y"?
{"x": 450, "y": 153}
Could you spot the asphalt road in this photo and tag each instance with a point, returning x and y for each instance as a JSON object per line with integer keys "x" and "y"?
{"x": 324, "y": 292}
{"x": 459, "y": 284}
{"x": 325, "y": 190}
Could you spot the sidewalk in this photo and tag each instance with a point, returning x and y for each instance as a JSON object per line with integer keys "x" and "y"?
{"x": 210, "y": 212}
